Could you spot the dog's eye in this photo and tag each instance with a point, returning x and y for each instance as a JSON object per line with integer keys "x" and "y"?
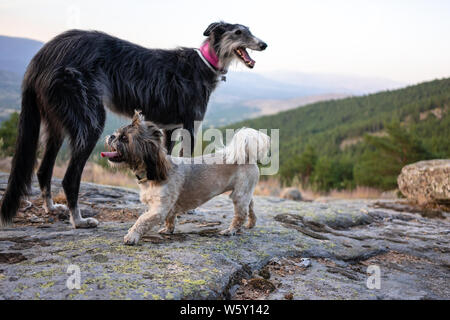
{"x": 238, "y": 32}
{"x": 123, "y": 138}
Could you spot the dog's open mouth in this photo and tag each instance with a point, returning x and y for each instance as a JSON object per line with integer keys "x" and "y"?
{"x": 112, "y": 155}
{"x": 245, "y": 57}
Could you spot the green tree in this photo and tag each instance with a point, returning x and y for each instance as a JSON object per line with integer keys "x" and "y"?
{"x": 324, "y": 178}
{"x": 385, "y": 156}
{"x": 300, "y": 166}
{"x": 332, "y": 174}
{"x": 335, "y": 127}
{"x": 290, "y": 169}
{"x": 8, "y": 134}
{"x": 307, "y": 162}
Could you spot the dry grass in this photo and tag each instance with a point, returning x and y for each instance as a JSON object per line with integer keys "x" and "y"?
{"x": 97, "y": 174}
{"x": 358, "y": 193}
{"x": 273, "y": 187}
{"x": 92, "y": 173}
{"x": 269, "y": 187}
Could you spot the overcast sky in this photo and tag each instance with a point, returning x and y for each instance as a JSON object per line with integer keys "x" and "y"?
{"x": 402, "y": 40}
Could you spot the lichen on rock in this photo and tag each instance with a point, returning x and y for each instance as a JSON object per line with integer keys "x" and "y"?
{"x": 340, "y": 239}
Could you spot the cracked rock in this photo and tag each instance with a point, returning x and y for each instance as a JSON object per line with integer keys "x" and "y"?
{"x": 308, "y": 250}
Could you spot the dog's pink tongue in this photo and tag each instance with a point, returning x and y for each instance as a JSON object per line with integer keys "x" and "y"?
{"x": 109, "y": 154}
{"x": 247, "y": 56}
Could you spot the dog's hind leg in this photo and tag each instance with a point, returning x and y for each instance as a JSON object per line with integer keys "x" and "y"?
{"x": 82, "y": 142}
{"x": 251, "y": 216}
{"x": 44, "y": 174}
{"x": 241, "y": 209}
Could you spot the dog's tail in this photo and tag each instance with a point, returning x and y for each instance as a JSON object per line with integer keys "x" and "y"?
{"x": 248, "y": 146}
{"x": 24, "y": 157}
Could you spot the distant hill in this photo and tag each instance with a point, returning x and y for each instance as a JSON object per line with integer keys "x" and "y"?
{"x": 249, "y": 94}
{"x": 234, "y": 99}
{"x": 9, "y": 93}
{"x": 354, "y": 84}
{"x": 273, "y": 106}
{"x": 16, "y": 53}
{"x": 334, "y": 129}
{"x": 240, "y": 97}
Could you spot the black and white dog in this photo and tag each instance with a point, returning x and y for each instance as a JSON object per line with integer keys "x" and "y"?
{"x": 72, "y": 78}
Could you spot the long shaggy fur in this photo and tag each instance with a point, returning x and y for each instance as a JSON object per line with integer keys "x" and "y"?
{"x": 74, "y": 76}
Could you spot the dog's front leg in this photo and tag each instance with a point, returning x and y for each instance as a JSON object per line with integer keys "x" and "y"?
{"x": 170, "y": 224}
{"x": 145, "y": 223}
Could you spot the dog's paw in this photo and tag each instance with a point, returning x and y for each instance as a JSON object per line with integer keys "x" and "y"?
{"x": 131, "y": 238}
{"x": 228, "y": 232}
{"x": 250, "y": 225}
{"x": 85, "y": 223}
{"x": 166, "y": 230}
{"x": 54, "y": 207}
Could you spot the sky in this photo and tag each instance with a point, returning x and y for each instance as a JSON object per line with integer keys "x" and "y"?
{"x": 400, "y": 40}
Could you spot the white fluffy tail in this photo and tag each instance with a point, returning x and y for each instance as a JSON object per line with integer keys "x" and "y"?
{"x": 248, "y": 146}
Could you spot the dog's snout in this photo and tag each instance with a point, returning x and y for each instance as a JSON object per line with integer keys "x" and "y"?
{"x": 262, "y": 45}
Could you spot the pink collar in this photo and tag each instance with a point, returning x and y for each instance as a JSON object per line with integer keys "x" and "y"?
{"x": 209, "y": 54}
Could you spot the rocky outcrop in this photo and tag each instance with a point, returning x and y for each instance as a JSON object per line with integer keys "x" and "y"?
{"x": 426, "y": 182}
{"x": 291, "y": 194}
{"x": 298, "y": 250}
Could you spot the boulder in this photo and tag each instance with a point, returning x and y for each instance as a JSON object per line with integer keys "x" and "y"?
{"x": 426, "y": 181}
{"x": 291, "y": 194}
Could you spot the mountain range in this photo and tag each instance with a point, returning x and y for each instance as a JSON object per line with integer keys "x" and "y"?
{"x": 245, "y": 94}
{"x": 334, "y": 134}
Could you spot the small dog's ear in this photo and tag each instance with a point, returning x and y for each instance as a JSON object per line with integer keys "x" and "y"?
{"x": 154, "y": 130}
{"x": 137, "y": 118}
{"x": 211, "y": 28}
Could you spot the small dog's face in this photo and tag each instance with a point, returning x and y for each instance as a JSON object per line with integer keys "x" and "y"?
{"x": 231, "y": 41}
{"x": 138, "y": 146}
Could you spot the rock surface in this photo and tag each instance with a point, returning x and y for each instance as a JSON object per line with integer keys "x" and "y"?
{"x": 426, "y": 181}
{"x": 298, "y": 250}
{"x": 291, "y": 194}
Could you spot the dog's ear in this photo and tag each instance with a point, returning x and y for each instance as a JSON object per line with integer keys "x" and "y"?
{"x": 157, "y": 165}
{"x": 213, "y": 26}
{"x": 137, "y": 118}
{"x": 155, "y": 132}
{"x": 153, "y": 129}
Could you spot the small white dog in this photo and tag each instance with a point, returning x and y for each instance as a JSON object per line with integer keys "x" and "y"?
{"x": 171, "y": 186}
